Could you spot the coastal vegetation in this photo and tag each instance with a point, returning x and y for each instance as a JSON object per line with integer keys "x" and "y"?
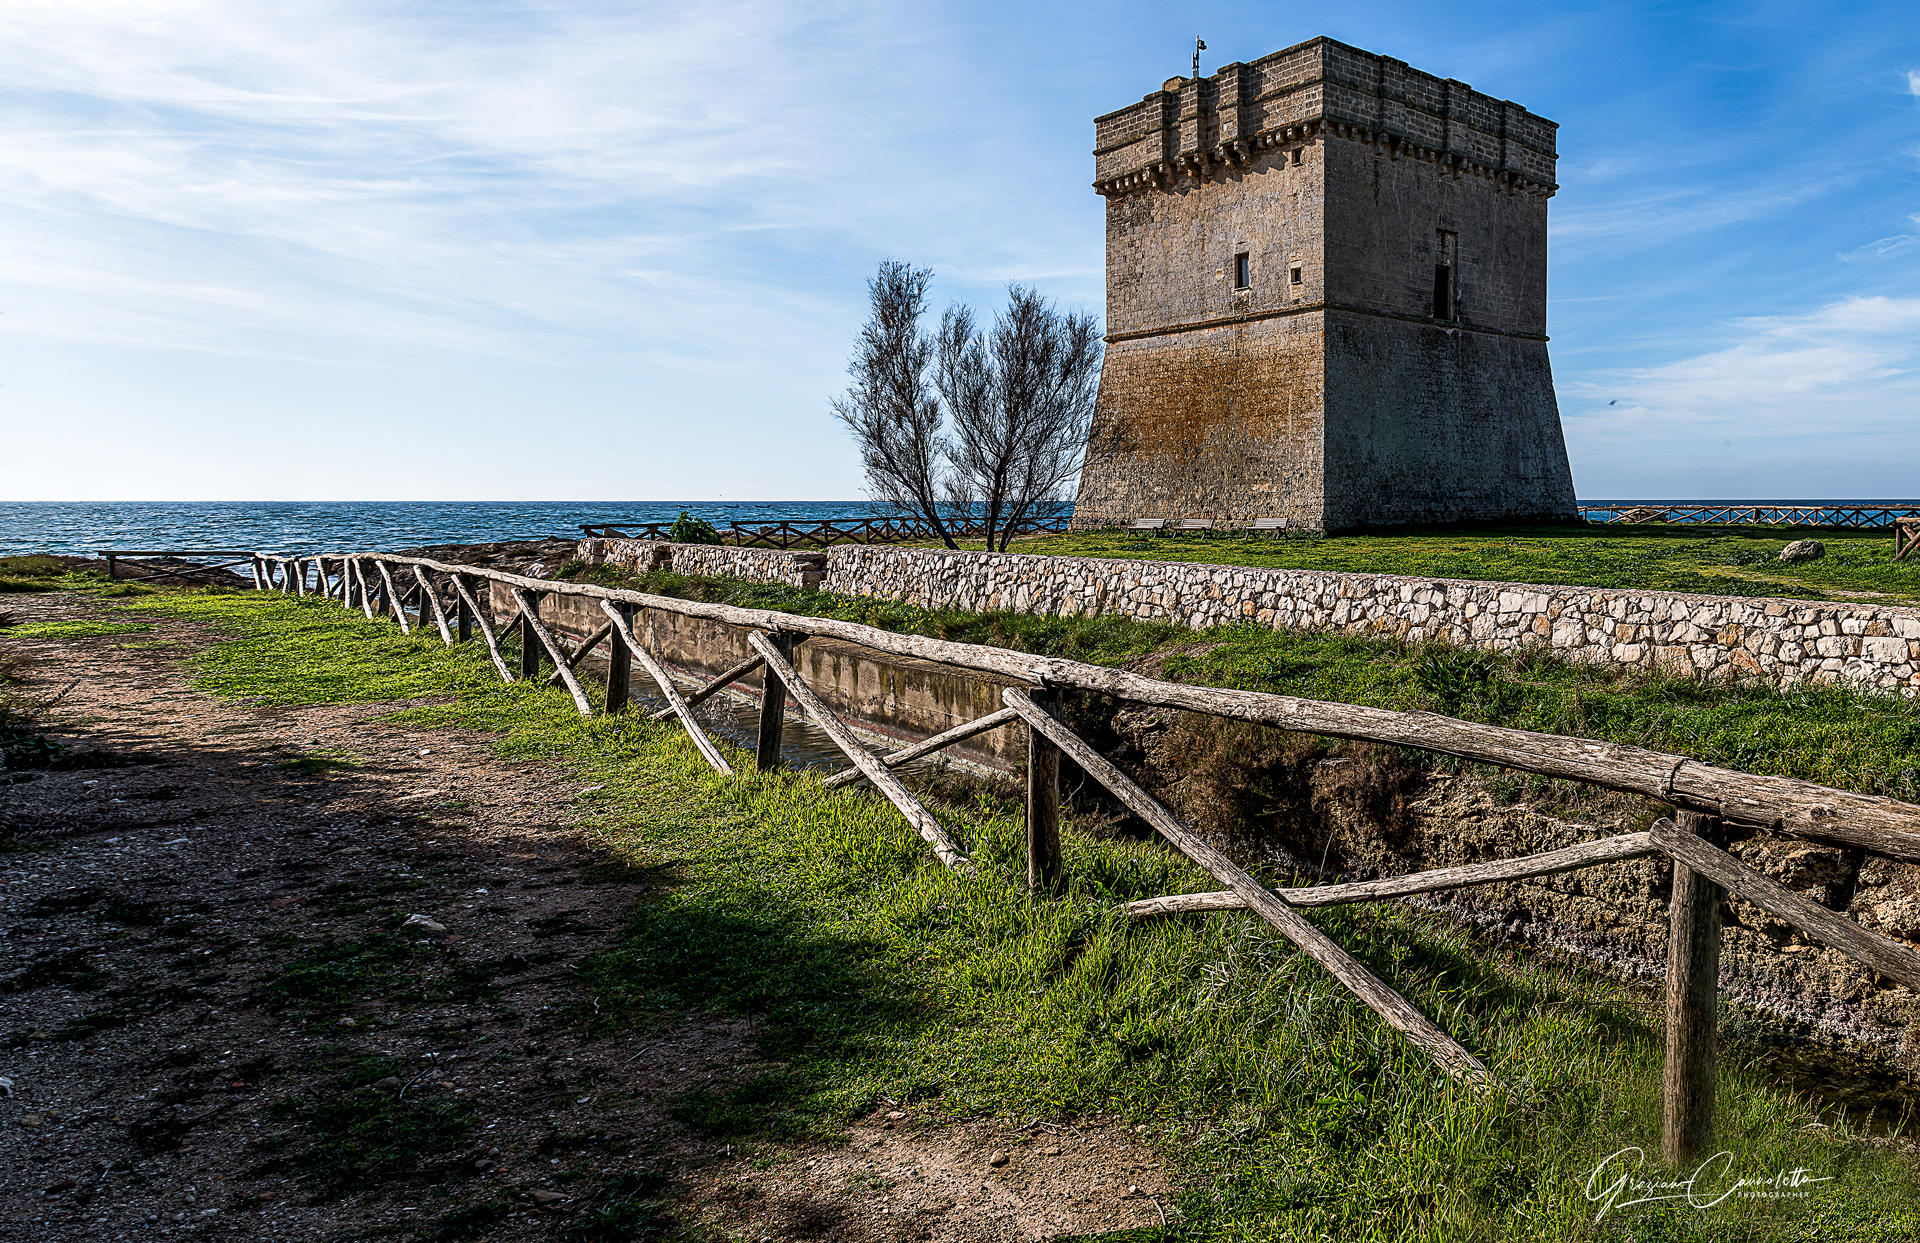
{"x": 1722, "y": 561}
{"x": 966, "y": 426}
{"x": 878, "y": 978}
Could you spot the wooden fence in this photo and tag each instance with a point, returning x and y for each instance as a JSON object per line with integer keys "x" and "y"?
{"x": 1847, "y": 517}
{"x": 418, "y": 592}
{"x": 234, "y": 557}
{"x": 818, "y": 534}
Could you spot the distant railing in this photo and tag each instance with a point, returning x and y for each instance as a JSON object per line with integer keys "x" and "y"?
{"x": 818, "y": 534}
{"x": 172, "y": 562}
{"x": 1858, "y": 517}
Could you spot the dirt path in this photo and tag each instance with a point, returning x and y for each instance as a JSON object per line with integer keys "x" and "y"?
{"x": 216, "y": 1027}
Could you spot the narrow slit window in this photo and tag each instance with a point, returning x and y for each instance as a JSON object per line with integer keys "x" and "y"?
{"x": 1445, "y": 293}
{"x": 1296, "y": 156}
{"x": 1242, "y": 273}
{"x": 1293, "y": 277}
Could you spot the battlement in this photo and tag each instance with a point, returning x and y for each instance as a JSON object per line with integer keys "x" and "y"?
{"x": 1197, "y": 128}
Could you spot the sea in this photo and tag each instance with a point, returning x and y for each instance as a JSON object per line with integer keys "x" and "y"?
{"x": 86, "y": 527}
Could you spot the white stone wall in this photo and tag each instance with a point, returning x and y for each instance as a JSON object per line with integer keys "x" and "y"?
{"x": 761, "y": 565}
{"x": 1786, "y": 640}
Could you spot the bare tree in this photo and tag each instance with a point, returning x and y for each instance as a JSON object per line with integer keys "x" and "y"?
{"x": 1021, "y": 398}
{"x": 890, "y": 408}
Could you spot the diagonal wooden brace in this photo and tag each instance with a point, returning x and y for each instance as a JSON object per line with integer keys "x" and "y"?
{"x": 919, "y": 817}
{"x": 530, "y": 614}
{"x": 486, "y": 627}
{"x": 1830, "y": 928}
{"x": 1586, "y": 854}
{"x": 1399, "y": 1013}
{"x": 623, "y": 633}
{"x": 847, "y": 776}
{"x": 433, "y": 598}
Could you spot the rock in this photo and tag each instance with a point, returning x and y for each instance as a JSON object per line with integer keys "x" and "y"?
{"x": 484, "y": 1164}
{"x": 31, "y": 1121}
{"x": 540, "y": 1194}
{"x": 997, "y": 1159}
{"x": 1052, "y": 1152}
{"x": 1803, "y": 550}
{"x": 65, "y": 1184}
{"x": 424, "y": 926}
{"x": 390, "y": 1084}
{"x": 895, "y": 1116}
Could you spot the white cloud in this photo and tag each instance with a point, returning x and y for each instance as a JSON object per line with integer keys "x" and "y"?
{"x": 215, "y": 173}
{"x": 1825, "y": 399}
{"x": 1879, "y": 249}
{"x": 1913, "y": 82}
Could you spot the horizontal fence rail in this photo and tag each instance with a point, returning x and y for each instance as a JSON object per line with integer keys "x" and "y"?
{"x": 1850, "y": 517}
{"x": 1705, "y": 797}
{"x": 819, "y": 534}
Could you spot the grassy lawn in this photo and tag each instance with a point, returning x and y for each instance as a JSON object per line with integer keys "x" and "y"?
{"x": 1287, "y": 1109}
{"x": 1725, "y": 561}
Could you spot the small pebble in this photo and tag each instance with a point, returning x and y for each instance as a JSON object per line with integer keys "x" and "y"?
{"x": 997, "y": 1159}
{"x": 31, "y": 1121}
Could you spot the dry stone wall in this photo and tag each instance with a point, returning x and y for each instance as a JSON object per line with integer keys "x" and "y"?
{"x": 1786, "y": 640}
{"x": 1790, "y": 640}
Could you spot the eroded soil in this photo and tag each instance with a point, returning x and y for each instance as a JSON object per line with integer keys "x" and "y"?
{"x": 215, "y": 1025}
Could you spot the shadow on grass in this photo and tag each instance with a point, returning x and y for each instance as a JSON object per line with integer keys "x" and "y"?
{"x": 824, "y": 1004}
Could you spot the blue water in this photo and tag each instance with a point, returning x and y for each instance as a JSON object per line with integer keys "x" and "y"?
{"x": 325, "y": 526}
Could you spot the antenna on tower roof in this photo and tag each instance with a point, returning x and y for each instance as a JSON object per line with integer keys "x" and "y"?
{"x": 1199, "y": 46}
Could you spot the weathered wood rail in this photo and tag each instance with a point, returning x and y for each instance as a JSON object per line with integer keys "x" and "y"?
{"x": 1705, "y": 797}
{"x": 819, "y": 534}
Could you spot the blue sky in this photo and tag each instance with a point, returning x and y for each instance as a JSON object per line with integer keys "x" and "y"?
{"x": 320, "y": 249}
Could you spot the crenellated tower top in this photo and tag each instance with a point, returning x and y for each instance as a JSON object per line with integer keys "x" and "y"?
{"x": 1196, "y": 128}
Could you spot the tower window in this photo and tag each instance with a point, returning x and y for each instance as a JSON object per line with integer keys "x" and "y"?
{"x": 1444, "y": 289}
{"x": 1242, "y": 275}
{"x": 1293, "y": 277}
{"x": 1296, "y": 156}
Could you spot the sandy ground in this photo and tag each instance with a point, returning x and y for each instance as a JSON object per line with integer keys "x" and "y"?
{"x": 155, "y": 1065}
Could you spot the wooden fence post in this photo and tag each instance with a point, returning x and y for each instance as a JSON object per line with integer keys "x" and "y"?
{"x": 1693, "y": 981}
{"x": 530, "y": 642}
{"x": 1044, "y": 870}
{"x": 464, "y": 613}
{"x": 620, "y": 664}
{"x": 773, "y": 707}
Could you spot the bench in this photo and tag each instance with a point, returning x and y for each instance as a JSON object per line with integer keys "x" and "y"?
{"x": 1194, "y": 524}
{"x": 1272, "y": 526}
{"x": 1146, "y": 524}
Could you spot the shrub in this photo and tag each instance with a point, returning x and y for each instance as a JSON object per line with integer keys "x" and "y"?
{"x": 688, "y": 529}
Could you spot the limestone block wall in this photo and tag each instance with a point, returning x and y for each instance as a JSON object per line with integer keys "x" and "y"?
{"x": 1787, "y": 640}
{"x": 803, "y": 568}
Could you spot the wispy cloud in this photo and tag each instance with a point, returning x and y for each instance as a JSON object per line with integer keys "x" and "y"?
{"x": 338, "y": 168}
{"x": 1826, "y": 399}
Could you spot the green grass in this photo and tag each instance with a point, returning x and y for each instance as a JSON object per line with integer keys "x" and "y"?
{"x": 1722, "y": 561}
{"x": 88, "y": 629}
{"x": 876, "y": 975}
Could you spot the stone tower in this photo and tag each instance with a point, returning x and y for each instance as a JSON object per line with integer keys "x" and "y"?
{"x": 1326, "y": 300}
